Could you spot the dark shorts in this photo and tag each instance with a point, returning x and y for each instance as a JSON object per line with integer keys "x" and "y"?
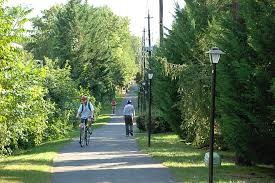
{"x": 128, "y": 119}
{"x": 84, "y": 121}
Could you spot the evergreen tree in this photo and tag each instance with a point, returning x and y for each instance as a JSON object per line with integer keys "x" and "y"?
{"x": 245, "y": 84}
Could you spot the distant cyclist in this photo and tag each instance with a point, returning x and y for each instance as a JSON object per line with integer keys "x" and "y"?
{"x": 86, "y": 110}
{"x": 113, "y": 106}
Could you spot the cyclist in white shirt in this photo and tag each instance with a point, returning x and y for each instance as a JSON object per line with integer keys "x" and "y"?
{"x": 86, "y": 110}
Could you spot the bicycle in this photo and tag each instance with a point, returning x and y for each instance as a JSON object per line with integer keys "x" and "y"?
{"x": 85, "y": 134}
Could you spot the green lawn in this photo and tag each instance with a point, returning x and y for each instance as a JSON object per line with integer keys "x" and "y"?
{"x": 186, "y": 162}
{"x": 35, "y": 165}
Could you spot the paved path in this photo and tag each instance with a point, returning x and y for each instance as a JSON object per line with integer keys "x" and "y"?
{"x": 110, "y": 158}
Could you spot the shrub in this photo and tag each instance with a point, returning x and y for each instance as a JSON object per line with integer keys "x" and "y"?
{"x": 159, "y": 125}
{"x": 23, "y": 110}
{"x": 141, "y": 122}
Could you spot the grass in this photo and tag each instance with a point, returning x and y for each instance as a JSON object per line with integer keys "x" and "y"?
{"x": 35, "y": 164}
{"x": 186, "y": 162}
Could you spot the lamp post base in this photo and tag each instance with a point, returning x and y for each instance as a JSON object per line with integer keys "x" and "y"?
{"x": 216, "y": 159}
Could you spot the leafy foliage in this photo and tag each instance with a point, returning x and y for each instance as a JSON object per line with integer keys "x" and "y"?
{"x": 76, "y": 50}
{"x": 63, "y": 93}
{"x": 23, "y": 112}
{"x": 245, "y": 83}
{"x": 96, "y": 44}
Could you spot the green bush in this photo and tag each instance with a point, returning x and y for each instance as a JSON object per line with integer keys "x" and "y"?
{"x": 140, "y": 121}
{"x": 159, "y": 125}
{"x": 165, "y": 100}
{"x": 23, "y": 110}
{"x": 63, "y": 93}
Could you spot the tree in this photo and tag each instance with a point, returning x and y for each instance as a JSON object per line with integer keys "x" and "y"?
{"x": 96, "y": 43}
{"x": 245, "y": 91}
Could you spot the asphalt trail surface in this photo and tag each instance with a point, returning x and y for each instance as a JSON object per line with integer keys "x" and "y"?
{"x": 111, "y": 157}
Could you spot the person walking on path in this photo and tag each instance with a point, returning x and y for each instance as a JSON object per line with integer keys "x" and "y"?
{"x": 113, "y": 106}
{"x": 129, "y": 114}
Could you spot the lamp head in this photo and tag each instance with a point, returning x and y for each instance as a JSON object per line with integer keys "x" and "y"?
{"x": 215, "y": 54}
{"x": 150, "y": 76}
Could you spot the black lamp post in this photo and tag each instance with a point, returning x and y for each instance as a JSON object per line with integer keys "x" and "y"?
{"x": 150, "y": 77}
{"x": 214, "y": 54}
{"x": 139, "y": 99}
{"x": 144, "y": 97}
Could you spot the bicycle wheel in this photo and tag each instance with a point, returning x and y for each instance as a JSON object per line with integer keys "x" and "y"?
{"x": 87, "y": 136}
{"x": 82, "y": 135}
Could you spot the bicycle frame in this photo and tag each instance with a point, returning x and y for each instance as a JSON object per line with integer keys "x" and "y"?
{"x": 84, "y": 135}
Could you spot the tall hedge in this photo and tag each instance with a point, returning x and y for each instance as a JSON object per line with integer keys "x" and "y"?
{"x": 38, "y": 99}
{"x": 245, "y": 75}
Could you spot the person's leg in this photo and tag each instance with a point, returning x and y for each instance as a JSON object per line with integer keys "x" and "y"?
{"x": 89, "y": 126}
{"x": 127, "y": 125}
{"x": 131, "y": 126}
{"x": 131, "y": 129}
{"x": 127, "y": 128}
{"x": 86, "y": 126}
{"x": 81, "y": 121}
{"x": 85, "y": 120}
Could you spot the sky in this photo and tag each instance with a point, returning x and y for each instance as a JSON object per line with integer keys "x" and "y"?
{"x": 136, "y": 10}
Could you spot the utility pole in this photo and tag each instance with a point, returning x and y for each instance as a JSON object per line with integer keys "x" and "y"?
{"x": 160, "y": 22}
{"x": 143, "y": 67}
{"x": 235, "y": 8}
{"x": 149, "y": 53}
{"x": 143, "y": 53}
{"x": 149, "y": 34}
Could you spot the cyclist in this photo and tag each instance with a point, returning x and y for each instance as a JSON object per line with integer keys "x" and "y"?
{"x": 113, "y": 106}
{"x": 86, "y": 110}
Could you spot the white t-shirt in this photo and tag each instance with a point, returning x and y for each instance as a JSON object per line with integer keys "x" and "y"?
{"x": 86, "y": 112}
{"x": 129, "y": 110}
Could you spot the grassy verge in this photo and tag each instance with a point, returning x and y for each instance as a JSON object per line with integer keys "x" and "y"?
{"x": 186, "y": 162}
{"x": 35, "y": 165}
